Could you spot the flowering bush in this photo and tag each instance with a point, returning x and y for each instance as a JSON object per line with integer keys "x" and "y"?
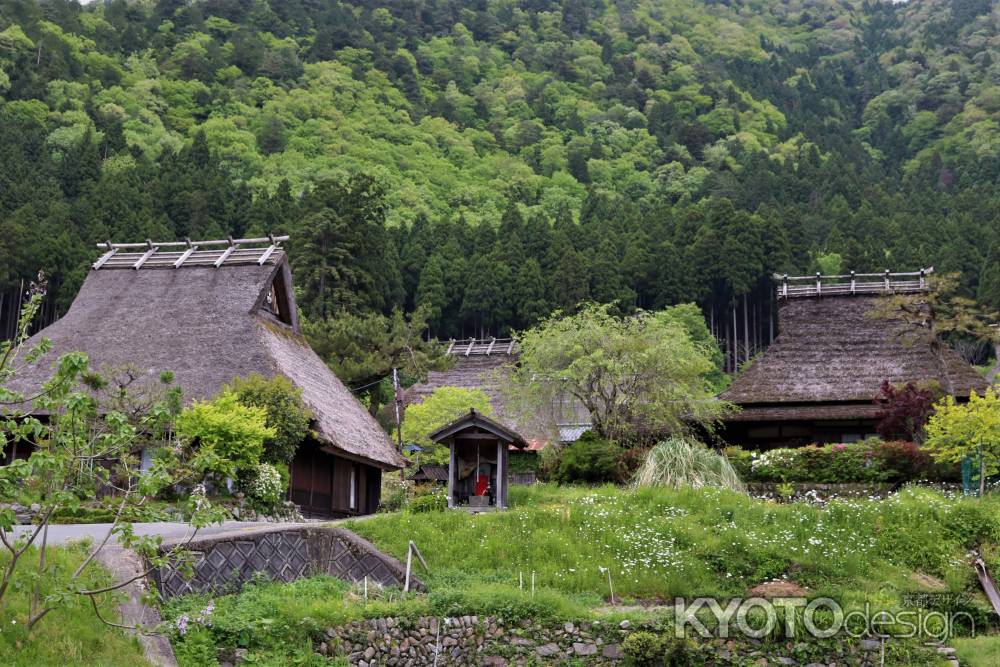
{"x": 869, "y": 461}
{"x": 265, "y": 488}
{"x": 396, "y": 493}
{"x": 777, "y": 465}
{"x": 429, "y": 502}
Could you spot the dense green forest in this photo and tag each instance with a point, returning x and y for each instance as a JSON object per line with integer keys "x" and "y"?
{"x": 493, "y": 160}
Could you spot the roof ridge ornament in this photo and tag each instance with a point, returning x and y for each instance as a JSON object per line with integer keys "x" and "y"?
{"x": 849, "y": 284}
{"x": 178, "y": 254}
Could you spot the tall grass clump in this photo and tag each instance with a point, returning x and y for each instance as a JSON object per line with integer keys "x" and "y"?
{"x": 678, "y": 462}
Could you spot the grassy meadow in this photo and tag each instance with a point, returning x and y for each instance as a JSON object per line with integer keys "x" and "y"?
{"x": 658, "y": 543}
{"x": 662, "y": 543}
{"x": 70, "y": 635}
{"x": 978, "y": 651}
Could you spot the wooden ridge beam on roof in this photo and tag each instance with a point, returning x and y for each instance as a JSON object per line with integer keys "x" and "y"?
{"x": 267, "y": 254}
{"x": 187, "y": 253}
{"x": 819, "y": 284}
{"x": 183, "y": 244}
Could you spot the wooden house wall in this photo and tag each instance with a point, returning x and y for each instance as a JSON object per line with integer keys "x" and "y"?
{"x": 321, "y": 484}
{"x": 773, "y": 434}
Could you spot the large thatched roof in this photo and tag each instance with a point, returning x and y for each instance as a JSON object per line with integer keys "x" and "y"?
{"x": 831, "y": 358}
{"x": 209, "y": 325}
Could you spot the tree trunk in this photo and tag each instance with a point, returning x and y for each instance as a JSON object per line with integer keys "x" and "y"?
{"x": 736, "y": 342}
{"x": 770, "y": 315}
{"x": 938, "y": 347}
{"x": 746, "y": 329}
{"x": 991, "y": 377}
{"x": 982, "y": 473}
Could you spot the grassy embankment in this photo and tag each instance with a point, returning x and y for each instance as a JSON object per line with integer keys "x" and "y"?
{"x": 658, "y": 543}
{"x": 661, "y": 543}
{"x": 70, "y": 635}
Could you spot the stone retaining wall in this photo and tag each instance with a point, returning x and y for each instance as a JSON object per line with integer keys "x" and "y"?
{"x": 471, "y": 641}
{"x": 223, "y": 562}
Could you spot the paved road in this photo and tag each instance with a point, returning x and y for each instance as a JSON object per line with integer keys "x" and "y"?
{"x": 63, "y": 533}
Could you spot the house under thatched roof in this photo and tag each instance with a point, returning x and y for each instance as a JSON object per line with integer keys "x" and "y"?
{"x": 481, "y": 364}
{"x": 819, "y": 380}
{"x": 211, "y": 315}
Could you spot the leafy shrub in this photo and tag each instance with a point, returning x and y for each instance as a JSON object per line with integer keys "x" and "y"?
{"x": 234, "y": 432}
{"x": 680, "y": 462}
{"x": 431, "y": 502}
{"x": 591, "y": 460}
{"x": 870, "y": 461}
{"x": 643, "y": 648}
{"x": 902, "y": 460}
{"x": 396, "y": 493}
{"x": 775, "y": 465}
{"x": 523, "y": 461}
{"x": 740, "y": 459}
{"x": 548, "y": 462}
{"x": 286, "y": 413}
{"x": 630, "y": 461}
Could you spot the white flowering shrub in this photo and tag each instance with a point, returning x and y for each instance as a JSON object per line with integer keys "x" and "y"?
{"x": 265, "y": 488}
{"x": 774, "y": 464}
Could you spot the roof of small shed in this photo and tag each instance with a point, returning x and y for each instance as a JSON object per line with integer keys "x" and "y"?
{"x": 835, "y": 350}
{"x": 434, "y": 473}
{"x": 208, "y": 326}
{"x": 478, "y": 422}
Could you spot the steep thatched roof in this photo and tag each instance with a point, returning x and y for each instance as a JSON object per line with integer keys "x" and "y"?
{"x": 831, "y": 350}
{"x": 468, "y": 372}
{"x": 209, "y": 325}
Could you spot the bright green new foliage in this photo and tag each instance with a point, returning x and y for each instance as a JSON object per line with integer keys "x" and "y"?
{"x": 231, "y": 433}
{"x": 444, "y": 405}
{"x": 286, "y": 413}
{"x": 957, "y": 430}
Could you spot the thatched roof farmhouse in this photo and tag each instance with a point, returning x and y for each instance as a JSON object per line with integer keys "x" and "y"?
{"x": 482, "y": 364}
{"x": 210, "y": 312}
{"x": 819, "y": 380}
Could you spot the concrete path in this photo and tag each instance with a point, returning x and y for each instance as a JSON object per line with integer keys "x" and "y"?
{"x": 63, "y": 533}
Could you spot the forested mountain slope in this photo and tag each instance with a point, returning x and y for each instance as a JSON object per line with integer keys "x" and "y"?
{"x": 514, "y": 156}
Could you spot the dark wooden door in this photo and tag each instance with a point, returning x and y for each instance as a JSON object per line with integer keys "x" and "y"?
{"x": 312, "y": 481}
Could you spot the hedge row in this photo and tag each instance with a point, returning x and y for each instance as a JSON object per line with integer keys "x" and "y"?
{"x": 869, "y": 461}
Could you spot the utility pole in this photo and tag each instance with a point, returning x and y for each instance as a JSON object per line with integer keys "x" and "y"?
{"x": 398, "y": 395}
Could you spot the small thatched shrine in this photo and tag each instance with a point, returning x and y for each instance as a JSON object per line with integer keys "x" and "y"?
{"x": 819, "y": 381}
{"x": 210, "y": 312}
{"x": 478, "y": 471}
